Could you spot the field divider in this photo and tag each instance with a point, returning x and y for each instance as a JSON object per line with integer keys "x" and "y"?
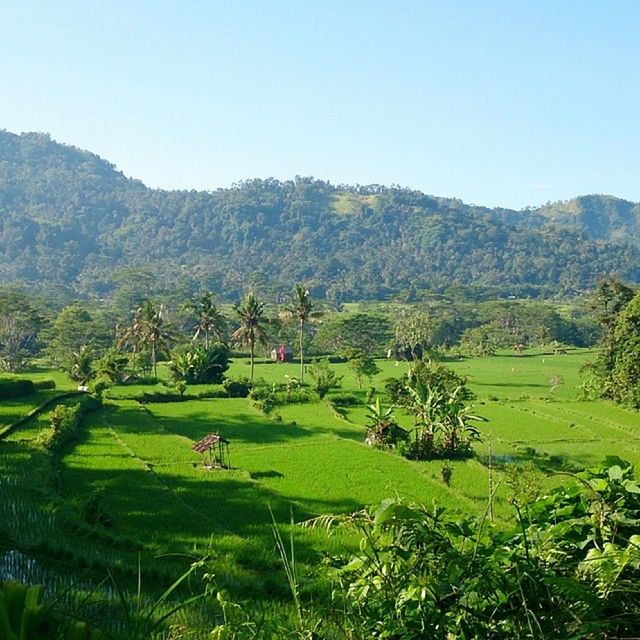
{"x": 604, "y": 421}
{"x": 9, "y": 429}
{"x": 551, "y": 418}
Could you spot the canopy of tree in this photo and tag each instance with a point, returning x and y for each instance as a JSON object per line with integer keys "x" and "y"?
{"x": 69, "y": 218}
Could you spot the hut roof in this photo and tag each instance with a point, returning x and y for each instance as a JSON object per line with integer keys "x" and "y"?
{"x": 209, "y": 441}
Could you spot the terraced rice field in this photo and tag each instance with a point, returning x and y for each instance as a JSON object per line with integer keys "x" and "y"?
{"x": 305, "y": 460}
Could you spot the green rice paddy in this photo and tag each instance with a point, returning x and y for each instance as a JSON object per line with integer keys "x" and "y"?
{"x": 297, "y": 462}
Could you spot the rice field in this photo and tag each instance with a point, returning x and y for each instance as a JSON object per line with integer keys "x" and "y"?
{"x": 295, "y": 463}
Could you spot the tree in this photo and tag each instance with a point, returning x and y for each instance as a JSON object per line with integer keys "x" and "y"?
{"x": 251, "y": 330}
{"x": 300, "y": 309}
{"x": 325, "y": 378}
{"x": 154, "y": 332}
{"x": 20, "y": 323}
{"x": 113, "y": 366}
{"x": 362, "y": 365}
{"x": 366, "y": 332}
{"x": 414, "y": 333}
{"x": 439, "y": 400}
{"x": 81, "y": 369}
{"x": 74, "y": 328}
{"x": 621, "y": 366}
{"x": 210, "y": 321}
{"x": 607, "y": 303}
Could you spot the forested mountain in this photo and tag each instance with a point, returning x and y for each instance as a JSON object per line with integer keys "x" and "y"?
{"x": 68, "y": 217}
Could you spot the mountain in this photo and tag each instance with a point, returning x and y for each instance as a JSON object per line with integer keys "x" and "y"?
{"x": 69, "y": 218}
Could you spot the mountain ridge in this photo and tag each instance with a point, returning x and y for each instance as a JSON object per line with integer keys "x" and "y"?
{"x": 70, "y": 217}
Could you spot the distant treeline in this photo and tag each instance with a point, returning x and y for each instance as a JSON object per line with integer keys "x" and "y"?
{"x": 69, "y": 220}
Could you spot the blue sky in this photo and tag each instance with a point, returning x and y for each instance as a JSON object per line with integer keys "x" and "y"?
{"x": 497, "y": 103}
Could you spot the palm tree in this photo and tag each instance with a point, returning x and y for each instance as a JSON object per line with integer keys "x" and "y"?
{"x": 251, "y": 317}
{"x": 155, "y": 334}
{"x": 301, "y": 308}
{"x": 131, "y": 336}
{"x": 81, "y": 369}
{"x": 210, "y": 320}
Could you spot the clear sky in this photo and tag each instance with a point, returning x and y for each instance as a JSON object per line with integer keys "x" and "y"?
{"x": 498, "y": 103}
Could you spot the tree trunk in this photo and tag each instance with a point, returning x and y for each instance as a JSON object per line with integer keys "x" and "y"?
{"x": 301, "y": 354}
{"x": 251, "y": 354}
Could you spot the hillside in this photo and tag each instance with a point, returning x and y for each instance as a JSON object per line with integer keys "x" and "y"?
{"x": 69, "y": 218}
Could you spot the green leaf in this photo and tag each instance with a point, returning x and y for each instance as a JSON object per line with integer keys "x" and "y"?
{"x": 631, "y": 486}
{"x": 615, "y": 472}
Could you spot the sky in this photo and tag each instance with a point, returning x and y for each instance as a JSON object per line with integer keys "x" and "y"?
{"x": 498, "y": 103}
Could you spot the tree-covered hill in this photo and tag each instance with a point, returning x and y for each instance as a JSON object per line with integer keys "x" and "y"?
{"x": 70, "y": 218}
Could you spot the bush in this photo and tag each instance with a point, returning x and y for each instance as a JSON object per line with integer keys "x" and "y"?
{"x": 237, "y": 388}
{"x": 344, "y": 399}
{"x": 65, "y": 423}
{"x": 47, "y": 383}
{"x": 148, "y": 397}
{"x": 15, "y": 388}
{"x": 324, "y": 378}
{"x": 266, "y": 398}
{"x": 200, "y": 365}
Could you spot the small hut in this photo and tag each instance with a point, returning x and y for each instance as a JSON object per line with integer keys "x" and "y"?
{"x": 215, "y": 451}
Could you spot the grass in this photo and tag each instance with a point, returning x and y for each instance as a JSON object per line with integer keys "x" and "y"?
{"x": 300, "y": 459}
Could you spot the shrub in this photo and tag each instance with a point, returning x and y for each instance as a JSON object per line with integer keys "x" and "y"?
{"x": 201, "y": 365}
{"x": 344, "y": 399}
{"x": 324, "y": 378}
{"x": 15, "y": 388}
{"x": 47, "y": 383}
{"x": 237, "y": 388}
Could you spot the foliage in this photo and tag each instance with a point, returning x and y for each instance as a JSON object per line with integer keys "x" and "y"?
{"x": 324, "y": 378}
{"x": 382, "y": 430}
{"x": 570, "y": 568}
{"x": 24, "y": 616}
{"x": 70, "y": 218}
{"x": 301, "y": 310}
{"x": 15, "y": 387}
{"x": 267, "y": 397}
{"x": 65, "y": 423}
{"x": 155, "y": 334}
{"x": 201, "y": 365}
{"x": 113, "y": 365}
{"x": 476, "y": 342}
{"x": 620, "y": 360}
{"x": 209, "y": 320}
{"x": 81, "y": 366}
{"x": 438, "y": 399}
{"x": 431, "y": 375}
{"x": 362, "y": 365}
{"x": 252, "y": 325}
{"x": 414, "y": 333}
{"x": 20, "y": 323}
{"x": 340, "y": 333}
{"x": 237, "y": 387}
{"x": 344, "y": 399}
{"x": 76, "y": 329}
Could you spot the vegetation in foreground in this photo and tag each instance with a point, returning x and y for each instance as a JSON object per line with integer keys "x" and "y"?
{"x": 77, "y": 490}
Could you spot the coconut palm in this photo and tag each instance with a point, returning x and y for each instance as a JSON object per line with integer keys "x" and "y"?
{"x": 210, "y": 322}
{"x": 154, "y": 332}
{"x": 251, "y": 330}
{"x": 301, "y": 310}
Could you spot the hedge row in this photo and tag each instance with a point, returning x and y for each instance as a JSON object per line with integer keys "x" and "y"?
{"x": 18, "y": 387}
{"x": 65, "y": 423}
